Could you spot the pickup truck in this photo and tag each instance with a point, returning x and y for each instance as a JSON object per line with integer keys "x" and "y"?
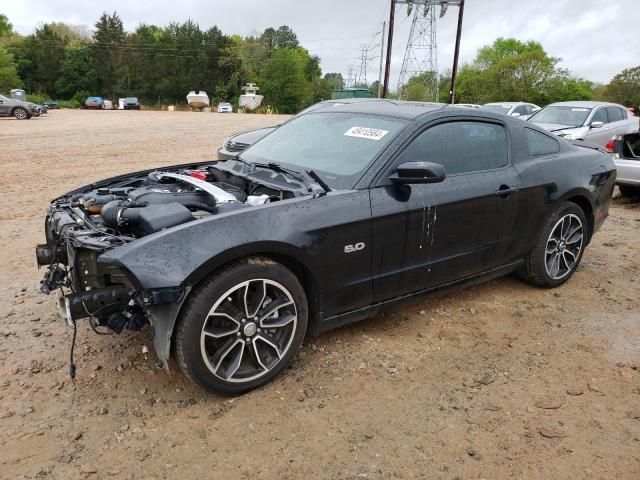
{"x": 626, "y": 155}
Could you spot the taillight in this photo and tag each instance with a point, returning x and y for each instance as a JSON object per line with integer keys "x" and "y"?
{"x": 609, "y": 146}
{"x": 200, "y": 175}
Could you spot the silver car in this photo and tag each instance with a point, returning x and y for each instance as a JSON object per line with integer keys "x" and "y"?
{"x": 595, "y": 122}
{"x": 521, "y": 110}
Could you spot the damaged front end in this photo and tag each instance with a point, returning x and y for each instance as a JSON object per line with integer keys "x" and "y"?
{"x": 84, "y": 224}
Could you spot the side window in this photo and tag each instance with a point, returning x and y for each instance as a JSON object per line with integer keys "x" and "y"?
{"x": 460, "y": 147}
{"x": 540, "y": 144}
{"x": 600, "y": 116}
{"x": 615, "y": 115}
{"x": 521, "y": 109}
{"x": 625, "y": 114}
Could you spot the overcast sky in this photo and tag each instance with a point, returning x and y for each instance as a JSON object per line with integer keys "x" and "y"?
{"x": 596, "y": 39}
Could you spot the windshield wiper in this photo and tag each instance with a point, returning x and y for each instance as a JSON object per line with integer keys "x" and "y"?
{"x": 251, "y": 165}
{"x": 276, "y": 167}
{"x": 319, "y": 180}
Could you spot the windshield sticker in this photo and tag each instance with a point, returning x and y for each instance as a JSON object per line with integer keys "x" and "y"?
{"x": 365, "y": 132}
{"x": 579, "y": 109}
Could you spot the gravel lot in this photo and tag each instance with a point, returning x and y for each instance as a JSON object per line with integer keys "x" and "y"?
{"x": 498, "y": 381}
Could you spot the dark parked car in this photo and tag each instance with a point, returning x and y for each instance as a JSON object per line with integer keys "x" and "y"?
{"x": 131, "y": 103}
{"x": 52, "y": 105}
{"x": 339, "y": 213}
{"x": 10, "y": 107}
{"x": 239, "y": 142}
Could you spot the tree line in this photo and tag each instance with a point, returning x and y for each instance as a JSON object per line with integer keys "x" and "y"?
{"x": 160, "y": 65}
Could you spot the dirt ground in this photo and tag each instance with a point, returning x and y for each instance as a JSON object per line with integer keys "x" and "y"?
{"x": 498, "y": 381}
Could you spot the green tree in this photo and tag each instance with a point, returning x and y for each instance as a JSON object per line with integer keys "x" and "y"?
{"x": 77, "y": 70}
{"x": 513, "y": 70}
{"x": 68, "y": 31}
{"x": 625, "y": 88}
{"x": 420, "y": 87}
{"x": 109, "y": 38}
{"x": 37, "y": 58}
{"x": 336, "y": 82}
{"x": 5, "y": 26}
{"x": 284, "y": 81}
{"x": 8, "y": 74}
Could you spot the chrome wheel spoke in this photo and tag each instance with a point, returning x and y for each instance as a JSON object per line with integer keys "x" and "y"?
{"x": 256, "y": 355}
{"x": 572, "y": 231}
{"x": 271, "y": 308}
{"x": 267, "y": 341}
{"x": 221, "y": 355}
{"x": 574, "y": 238}
{"x": 220, "y": 332}
{"x": 278, "y": 322}
{"x": 554, "y": 265}
{"x": 253, "y": 300}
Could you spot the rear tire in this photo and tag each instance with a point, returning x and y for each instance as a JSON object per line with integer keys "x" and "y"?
{"x": 629, "y": 190}
{"x": 21, "y": 114}
{"x": 558, "y": 248}
{"x": 241, "y": 326}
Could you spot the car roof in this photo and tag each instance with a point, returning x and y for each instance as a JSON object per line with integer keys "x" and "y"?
{"x": 381, "y": 106}
{"x": 582, "y": 104}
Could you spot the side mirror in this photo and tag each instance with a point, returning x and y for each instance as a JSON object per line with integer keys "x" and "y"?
{"x": 418, "y": 172}
{"x": 515, "y": 114}
{"x": 597, "y": 124}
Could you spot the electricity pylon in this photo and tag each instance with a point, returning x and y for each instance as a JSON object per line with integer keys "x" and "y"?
{"x": 421, "y": 55}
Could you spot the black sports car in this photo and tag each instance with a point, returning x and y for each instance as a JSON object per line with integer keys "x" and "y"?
{"x": 339, "y": 213}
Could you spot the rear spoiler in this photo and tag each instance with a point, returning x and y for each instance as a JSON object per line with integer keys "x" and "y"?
{"x": 583, "y": 144}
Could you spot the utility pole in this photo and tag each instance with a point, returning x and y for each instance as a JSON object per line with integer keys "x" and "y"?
{"x": 454, "y": 71}
{"x": 387, "y": 66}
{"x": 384, "y": 26}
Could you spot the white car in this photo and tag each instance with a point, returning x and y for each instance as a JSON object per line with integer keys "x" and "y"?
{"x": 595, "y": 122}
{"x": 225, "y": 107}
{"x": 626, "y": 156}
{"x": 521, "y": 110}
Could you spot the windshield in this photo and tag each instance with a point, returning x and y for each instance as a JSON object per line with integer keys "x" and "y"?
{"x": 131, "y": 99}
{"x": 494, "y": 107}
{"x": 562, "y": 115}
{"x": 337, "y": 146}
{"x": 2, "y": 97}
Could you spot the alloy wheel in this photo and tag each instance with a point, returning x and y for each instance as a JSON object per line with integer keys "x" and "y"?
{"x": 248, "y": 330}
{"x": 20, "y": 114}
{"x": 564, "y": 246}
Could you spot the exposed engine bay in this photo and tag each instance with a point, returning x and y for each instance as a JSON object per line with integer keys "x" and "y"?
{"x": 84, "y": 223}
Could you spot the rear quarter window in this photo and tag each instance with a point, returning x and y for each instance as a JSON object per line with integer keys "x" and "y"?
{"x": 540, "y": 144}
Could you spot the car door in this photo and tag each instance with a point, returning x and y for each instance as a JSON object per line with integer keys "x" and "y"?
{"x": 426, "y": 235}
{"x": 618, "y": 120}
{"x": 600, "y": 135}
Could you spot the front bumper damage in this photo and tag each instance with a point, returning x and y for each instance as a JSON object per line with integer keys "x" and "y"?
{"x": 106, "y": 296}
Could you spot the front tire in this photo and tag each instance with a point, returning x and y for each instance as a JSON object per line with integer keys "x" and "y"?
{"x": 21, "y": 114}
{"x": 558, "y": 249}
{"x": 242, "y": 326}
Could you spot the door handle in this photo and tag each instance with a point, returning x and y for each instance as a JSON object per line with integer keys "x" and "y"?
{"x": 504, "y": 191}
